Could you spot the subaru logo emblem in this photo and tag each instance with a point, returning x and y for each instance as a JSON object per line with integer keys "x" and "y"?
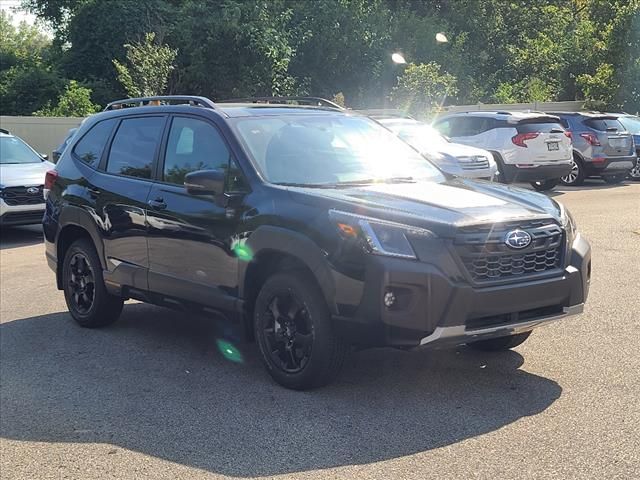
{"x": 33, "y": 190}
{"x": 517, "y": 239}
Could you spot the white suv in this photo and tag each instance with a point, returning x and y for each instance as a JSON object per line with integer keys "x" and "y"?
{"x": 528, "y": 147}
{"x": 22, "y": 173}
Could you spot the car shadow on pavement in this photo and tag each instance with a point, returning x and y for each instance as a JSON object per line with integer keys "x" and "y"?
{"x": 156, "y": 382}
{"x": 13, "y": 237}
{"x": 589, "y": 184}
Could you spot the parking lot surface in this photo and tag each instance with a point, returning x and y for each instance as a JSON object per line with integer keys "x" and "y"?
{"x": 153, "y": 397}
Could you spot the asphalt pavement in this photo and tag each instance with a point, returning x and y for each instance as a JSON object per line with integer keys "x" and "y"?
{"x": 153, "y": 396}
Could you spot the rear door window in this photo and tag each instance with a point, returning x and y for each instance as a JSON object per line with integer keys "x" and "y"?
{"x": 134, "y": 146}
{"x": 471, "y": 126}
{"x": 90, "y": 147}
{"x": 604, "y": 124}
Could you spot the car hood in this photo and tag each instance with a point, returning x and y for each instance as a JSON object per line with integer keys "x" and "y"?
{"x": 441, "y": 207}
{"x": 457, "y": 150}
{"x": 21, "y": 174}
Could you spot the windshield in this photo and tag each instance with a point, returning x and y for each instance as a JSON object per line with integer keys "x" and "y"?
{"x": 632, "y": 124}
{"x": 420, "y": 136}
{"x": 13, "y": 150}
{"x": 329, "y": 150}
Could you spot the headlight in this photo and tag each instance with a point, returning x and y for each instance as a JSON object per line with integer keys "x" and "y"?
{"x": 379, "y": 237}
{"x": 567, "y": 219}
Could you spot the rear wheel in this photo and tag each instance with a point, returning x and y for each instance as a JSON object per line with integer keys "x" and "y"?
{"x": 293, "y": 329}
{"x": 84, "y": 291}
{"x": 500, "y": 343}
{"x": 614, "y": 179}
{"x": 544, "y": 185}
{"x": 576, "y": 176}
{"x": 634, "y": 174}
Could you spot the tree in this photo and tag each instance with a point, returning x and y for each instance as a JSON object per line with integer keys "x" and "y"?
{"x": 28, "y": 80}
{"x": 149, "y": 67}
{"x": 423, "y": 88}
{"x": 74, "y": 102}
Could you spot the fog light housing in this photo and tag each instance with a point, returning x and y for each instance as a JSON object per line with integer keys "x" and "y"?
{"x": 389, "y": 299}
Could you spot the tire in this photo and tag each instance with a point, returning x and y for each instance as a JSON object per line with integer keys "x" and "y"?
{"x": 88, "y": 301}
{"x": 545, "y": 185}
{"x": 634, "y": 174}
{"x": 293, "y": 329}
{"x": 614, "y": 179}
{"x": 576, "y": 176}
{"x": 500, "y": 344}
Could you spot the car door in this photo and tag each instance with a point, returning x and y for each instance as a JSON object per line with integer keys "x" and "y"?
{"x": 191, "y": 236}
{"x": 120, "y": 188}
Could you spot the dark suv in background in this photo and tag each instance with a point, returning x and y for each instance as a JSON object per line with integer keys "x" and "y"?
{"x": 602, "y": 147}
{"x": 312, "y": 228}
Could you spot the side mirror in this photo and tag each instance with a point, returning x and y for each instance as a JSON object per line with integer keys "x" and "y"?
{"x": 205, "y": 182}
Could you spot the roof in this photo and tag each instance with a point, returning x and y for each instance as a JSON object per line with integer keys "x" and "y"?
{"x": 266, "y": 109}
{"x": 514, "y": 115}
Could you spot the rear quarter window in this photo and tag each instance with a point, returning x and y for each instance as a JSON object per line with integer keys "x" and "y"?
{"x": 604, "y": 124}
{"x": 90, "y": 147}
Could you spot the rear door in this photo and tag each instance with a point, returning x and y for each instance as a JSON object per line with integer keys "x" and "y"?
{"x": 120, "y": 188}
{"x": 612, "y": 135}
{"x": 546, "y": 141}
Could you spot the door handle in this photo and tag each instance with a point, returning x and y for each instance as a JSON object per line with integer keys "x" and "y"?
{"x": 157, "y": 204}
{"x": 93, "y": 191}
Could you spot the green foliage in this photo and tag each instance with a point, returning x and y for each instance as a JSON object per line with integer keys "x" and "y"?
{"x": 422, "y": 89}
{"x": 148, "y": 69}
{"x": 74, "y": 102}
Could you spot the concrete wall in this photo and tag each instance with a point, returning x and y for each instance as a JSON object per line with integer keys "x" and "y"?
{"x": 572, "y": 106}
{"x": 42, "y": 133}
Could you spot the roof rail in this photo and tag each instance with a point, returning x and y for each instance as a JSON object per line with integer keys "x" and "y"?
{"x": 161, "y": 100}
{"x": 312, "y": 101}
{"x": 385, "y": 113}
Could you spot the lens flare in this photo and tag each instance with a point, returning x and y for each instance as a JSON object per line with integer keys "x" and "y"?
{"x": 229, "y": 351}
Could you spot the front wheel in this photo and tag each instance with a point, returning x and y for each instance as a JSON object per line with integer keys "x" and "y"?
{"x": 500, "y": 343}
{"x": 544, "y": 185}
{"x": 614, "y": 179}
{"x": 293, "y": 328}
{"x": 84, "y": 291}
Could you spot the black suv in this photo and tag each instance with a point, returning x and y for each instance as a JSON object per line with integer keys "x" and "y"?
{"x": 312, "y": 227}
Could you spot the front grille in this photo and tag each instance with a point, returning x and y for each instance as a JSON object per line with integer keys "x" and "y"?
{"x": 21, "y": 196}
{"x": 487, "y": 258}
{"x": 477, "y": 162}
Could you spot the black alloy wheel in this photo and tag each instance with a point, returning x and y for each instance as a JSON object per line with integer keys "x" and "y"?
{"x": 81, "y": 283}
{"x": 544, "y": 185}
{"x": 576, "y": 176}
{"x": 288, "y": 332}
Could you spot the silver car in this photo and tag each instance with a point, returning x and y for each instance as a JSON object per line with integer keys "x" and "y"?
{"x": 22, "y": 173}
{"x": 454, "y": 158}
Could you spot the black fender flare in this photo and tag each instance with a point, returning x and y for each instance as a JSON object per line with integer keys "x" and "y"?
{"x": 288, "y": 242}
{"x": 80, "y": 217}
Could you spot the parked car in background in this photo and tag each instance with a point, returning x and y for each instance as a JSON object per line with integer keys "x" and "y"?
{"x": 454, "y": 158}
{"x": 602, "y": 147}
{"x": 527, "y": 146}
{"x": 58, "y": 151}
{"x": 312, "y": 228}
{"x": 22, "y": 173}
{"x": 632, "y": 124}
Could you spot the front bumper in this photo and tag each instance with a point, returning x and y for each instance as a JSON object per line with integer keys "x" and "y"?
{"x": 512, "y": 173}
{"x": 437, "y": 306}
{"x": 20, "y": 214}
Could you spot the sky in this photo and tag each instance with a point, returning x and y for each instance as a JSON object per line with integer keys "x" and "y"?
{"x": 18, "y": 15}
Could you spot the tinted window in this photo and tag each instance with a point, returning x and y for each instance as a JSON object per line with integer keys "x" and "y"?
{"x": 469, "y": 126}
{"x": 632, "y": 124}
{"x": 604, "y": 124}
{"x": 197, "y": 145}
{"x": 542, "y": 127}
{"x": 445, "y": 127}
{"x": 134, "y": 146}
{"x": 90, "y": 147}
